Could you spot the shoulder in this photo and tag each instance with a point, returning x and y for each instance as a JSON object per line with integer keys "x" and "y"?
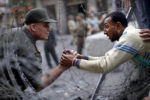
{"x": 14, "y": 32}
{"x": 10, "y": 34}
{"x": 131, "y": 34}
{"x": 130, "y": 38}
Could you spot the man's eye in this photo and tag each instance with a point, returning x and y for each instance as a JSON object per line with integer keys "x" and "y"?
{"x": 106, "y": 26}
{"x": 46, "y": 25}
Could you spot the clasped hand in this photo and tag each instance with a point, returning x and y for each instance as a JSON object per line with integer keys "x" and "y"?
{"x": 67, "y": 57}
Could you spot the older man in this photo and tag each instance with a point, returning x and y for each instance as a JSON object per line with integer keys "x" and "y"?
{"x": 36, "y": 28}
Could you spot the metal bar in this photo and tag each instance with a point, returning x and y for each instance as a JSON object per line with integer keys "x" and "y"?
{"x": 102, "y": 77}
{"x": 129, "y": 13}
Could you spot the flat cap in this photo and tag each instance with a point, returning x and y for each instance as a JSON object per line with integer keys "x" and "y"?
{"x": 38, "y": 15}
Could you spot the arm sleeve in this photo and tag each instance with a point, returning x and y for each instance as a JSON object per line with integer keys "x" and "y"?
{"x": 93, "y": 58}
{"x": 124, "y": 50}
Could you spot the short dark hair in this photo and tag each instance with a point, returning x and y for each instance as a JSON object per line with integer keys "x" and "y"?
{"x": 118, "y": 16}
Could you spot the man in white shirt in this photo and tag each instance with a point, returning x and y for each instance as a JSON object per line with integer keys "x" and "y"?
{"x": 129, "y": 46}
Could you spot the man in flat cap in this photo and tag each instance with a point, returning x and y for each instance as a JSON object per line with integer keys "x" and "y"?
{"x": 28, "y": 71}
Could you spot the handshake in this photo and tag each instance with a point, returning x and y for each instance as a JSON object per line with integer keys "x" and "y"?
{"x": 69, "y": 58}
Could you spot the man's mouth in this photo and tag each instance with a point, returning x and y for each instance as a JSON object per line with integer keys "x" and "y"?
{"x": 108, "y": 36}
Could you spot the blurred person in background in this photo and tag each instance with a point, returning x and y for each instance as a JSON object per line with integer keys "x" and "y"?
{"x": 81, "y": 31}
{"x": 72, "y": 29}
{"x": 101, "y": 21}
{"x": 93, "y": 23}
{"x": 49, "y": 47}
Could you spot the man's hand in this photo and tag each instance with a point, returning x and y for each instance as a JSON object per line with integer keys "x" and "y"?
{"x": 146, "y": 98}
{"x": 72, "y": 52}
{"x": 67, "y": 59}
{"x": 69, "y": 56}
{"x": 145, "y": 34}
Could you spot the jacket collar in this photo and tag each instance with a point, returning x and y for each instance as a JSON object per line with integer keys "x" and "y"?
{"x": 29, "y": 34}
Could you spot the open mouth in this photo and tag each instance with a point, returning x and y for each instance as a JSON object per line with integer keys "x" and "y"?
{"x": 107, "y": 35}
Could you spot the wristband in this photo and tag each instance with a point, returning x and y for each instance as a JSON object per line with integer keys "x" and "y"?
{"x": 73, "y": 61}
{"x": 78, "y": 63}
{"x": 86, "y": 57}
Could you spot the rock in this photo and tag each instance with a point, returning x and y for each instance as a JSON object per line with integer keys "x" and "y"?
{"x": 97, "y": 44}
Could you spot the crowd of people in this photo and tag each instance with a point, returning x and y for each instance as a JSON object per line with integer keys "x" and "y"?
{"x": 80, "y": 27}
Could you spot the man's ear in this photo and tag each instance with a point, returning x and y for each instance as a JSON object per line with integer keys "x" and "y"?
{"x": 119, "y": 25}
{"x": 33, "y": 27}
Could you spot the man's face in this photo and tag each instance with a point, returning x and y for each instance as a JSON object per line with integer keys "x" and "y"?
{"x": 110, "y": 29}
{"x": 42, "y": 31}
{"x": 91, "y": 15}
{"x": 79, "y": 18}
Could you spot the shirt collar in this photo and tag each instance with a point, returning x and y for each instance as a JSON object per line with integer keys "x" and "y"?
{"x": 29, "y": 35}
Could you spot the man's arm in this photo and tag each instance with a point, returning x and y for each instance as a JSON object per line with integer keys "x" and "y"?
{"x": 126, "y": 48}
{"x": 80, "y": 56}
{"x": 51, "y": 76}
{"x": 103, "y": 64}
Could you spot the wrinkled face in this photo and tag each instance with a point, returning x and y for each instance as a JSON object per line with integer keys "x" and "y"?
{"x": 110, "y": 29}
{"x": 42, "y": 30}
